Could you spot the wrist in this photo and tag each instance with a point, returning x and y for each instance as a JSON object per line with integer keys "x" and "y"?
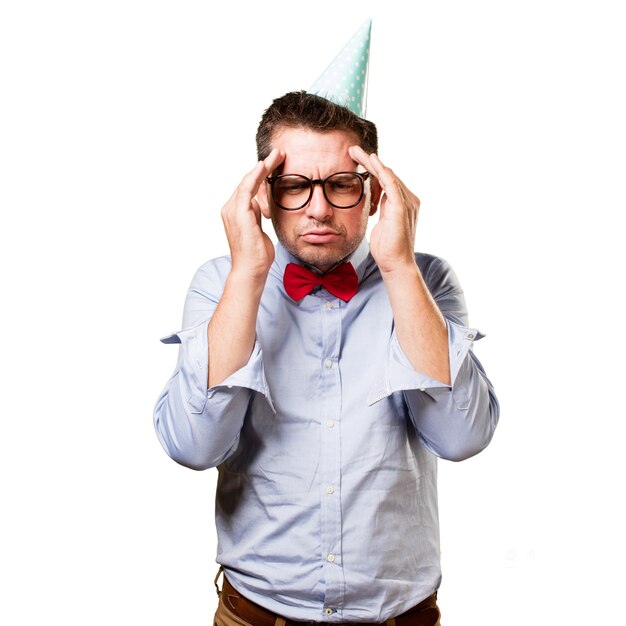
{"x": 400, "y": 271}
{"x": 246, "y": 281}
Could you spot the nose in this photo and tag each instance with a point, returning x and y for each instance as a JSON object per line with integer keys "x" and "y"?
{"x": 318, "y": 207}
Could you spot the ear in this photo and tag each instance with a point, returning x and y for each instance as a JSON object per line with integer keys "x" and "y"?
{"x": 376, "y": 192}
{"x": 263, "y": 200}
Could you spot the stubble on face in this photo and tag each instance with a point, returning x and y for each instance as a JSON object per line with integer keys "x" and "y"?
{"x": 321, "y": 256}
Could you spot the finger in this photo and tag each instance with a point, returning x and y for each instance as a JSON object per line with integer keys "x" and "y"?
{"x": 382, "y": 207}
{"x": 256, "y": 209}
{"x": 273, "y": 160}
{"x": 371, "y": 163}
{"x": 390, "y": 183}
{"x": 252, "y": 181}
{"x": 262, "y": 198}
{"x": 361, "y": 157}
{"x": 365, "y": 160}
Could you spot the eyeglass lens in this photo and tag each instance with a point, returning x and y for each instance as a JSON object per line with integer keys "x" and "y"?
{"x": 292, "y": 191}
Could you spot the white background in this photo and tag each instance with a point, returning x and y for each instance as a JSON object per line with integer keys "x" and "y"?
{"x": 125, "y": 126}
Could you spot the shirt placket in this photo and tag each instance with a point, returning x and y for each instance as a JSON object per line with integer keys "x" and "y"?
{"x": 330, "y": 487}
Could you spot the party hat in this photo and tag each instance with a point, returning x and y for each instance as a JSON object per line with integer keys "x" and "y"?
{"x": 344, "y": 81}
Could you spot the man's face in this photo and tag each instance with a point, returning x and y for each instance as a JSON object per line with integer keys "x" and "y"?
{"x": 318, "y": 233}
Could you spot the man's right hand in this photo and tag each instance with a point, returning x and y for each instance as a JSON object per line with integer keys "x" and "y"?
{"x": 232, "y": 329}
{"x": 251, "y": 250}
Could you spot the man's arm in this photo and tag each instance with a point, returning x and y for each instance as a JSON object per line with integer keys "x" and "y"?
{"x": 449, "y": 398}
{"x": 199, "y": 414}
{"x": 457, "y": 421}
{"x": 232, "y": 330}
{"x": 419, "y": 325}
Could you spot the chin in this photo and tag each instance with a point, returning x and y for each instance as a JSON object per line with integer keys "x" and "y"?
{"x": 319, "y": 256}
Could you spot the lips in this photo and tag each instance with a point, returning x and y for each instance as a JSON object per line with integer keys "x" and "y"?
{"x": 321, "y": 235}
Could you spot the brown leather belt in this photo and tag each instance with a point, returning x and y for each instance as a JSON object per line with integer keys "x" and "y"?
{"x": 258, "y": 616}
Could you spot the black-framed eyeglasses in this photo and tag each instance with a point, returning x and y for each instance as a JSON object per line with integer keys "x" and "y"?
{"x": 342, "y": 190}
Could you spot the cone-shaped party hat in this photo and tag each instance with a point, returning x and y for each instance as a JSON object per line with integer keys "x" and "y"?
{"x": 344, "y": 81}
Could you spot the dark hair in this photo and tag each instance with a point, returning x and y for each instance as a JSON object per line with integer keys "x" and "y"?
{"x": 299, "y": 109}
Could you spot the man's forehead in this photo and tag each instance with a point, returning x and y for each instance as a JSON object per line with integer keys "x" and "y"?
{"x": 311, "y": 138}
{"x": 305, "y": 146}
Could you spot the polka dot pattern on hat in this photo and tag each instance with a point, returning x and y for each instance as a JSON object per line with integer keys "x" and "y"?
{"x": 344, "y": 80}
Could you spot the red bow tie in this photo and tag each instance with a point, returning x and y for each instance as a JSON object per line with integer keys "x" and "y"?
{"x": 341, "y": 282}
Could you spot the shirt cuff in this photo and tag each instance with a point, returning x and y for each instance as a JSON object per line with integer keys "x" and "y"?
{"x": 400, "y": 375}
{"x": 193, "y": 362}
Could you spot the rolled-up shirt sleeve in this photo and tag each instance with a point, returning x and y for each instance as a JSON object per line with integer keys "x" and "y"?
{"x": 198, "y": 426}
{"x": 454, "y": 421}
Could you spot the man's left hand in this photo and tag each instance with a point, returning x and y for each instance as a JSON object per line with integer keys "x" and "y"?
{"x": 392, "y": 241}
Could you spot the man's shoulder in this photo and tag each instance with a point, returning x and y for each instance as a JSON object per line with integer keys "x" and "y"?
{"x": 433, "y": 268}
{"x": 425, "y": 259}
{"x": 214, "y": 271}
{"x": 437, "y": 272}
{"x": 217, "y": 263}
{"x": 430, "y": 263}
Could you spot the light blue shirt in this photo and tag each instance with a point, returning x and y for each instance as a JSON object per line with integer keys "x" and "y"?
{"x": 326, "y": 442}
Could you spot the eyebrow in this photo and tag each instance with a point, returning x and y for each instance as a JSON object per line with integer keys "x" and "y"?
{"x": 280, "y": 170}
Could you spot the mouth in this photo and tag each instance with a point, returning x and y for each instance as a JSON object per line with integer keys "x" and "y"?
{"x": 319, "y": 235}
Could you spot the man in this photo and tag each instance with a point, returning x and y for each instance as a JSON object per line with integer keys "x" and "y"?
{"x": 324, "y": 407}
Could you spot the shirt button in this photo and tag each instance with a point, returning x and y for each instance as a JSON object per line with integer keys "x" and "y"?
{"x": 328, "y": 364}
{"x": 330, "y": 423}
{"x": 331, "y": 558}
{"x": 330, "y": 490}
{"x": 329, "y": 305}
